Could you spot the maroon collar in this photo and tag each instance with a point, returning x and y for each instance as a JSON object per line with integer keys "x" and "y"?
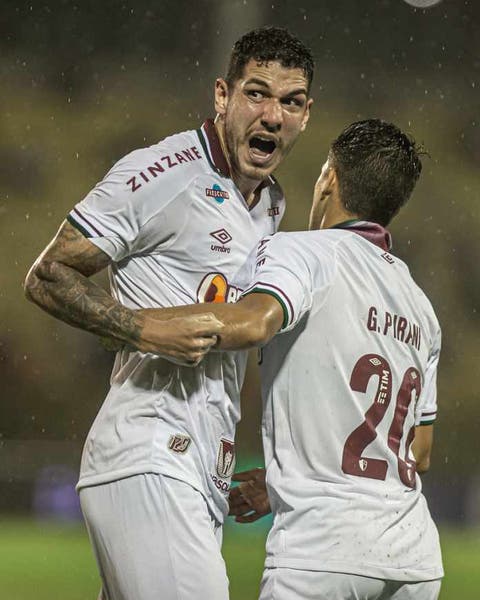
{"x": 373, "y": 232}
{"x": 213, "y": 148}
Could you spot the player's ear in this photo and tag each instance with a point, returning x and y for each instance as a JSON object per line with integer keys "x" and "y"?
{"x": 326, "y": 183}
{"x": 221, "y": 96}
{"x": 331, "y": 181}
{"x": 306, "y": 116}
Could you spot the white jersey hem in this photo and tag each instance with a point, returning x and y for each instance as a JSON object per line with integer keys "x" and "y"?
{"x": 103, "y": 478}
{"x": 364, "y": 569}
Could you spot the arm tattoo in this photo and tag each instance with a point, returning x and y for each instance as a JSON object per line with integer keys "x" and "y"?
{"x": 59, "y": 284}
{"x": 70, "y": 296}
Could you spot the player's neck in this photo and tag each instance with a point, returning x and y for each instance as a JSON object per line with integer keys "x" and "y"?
{"x": 336, "y": 214}
{"x": 247, "y": 187}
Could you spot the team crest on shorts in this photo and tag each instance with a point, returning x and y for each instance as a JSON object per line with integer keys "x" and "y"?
{"x": 179, "y": 443}
{"x": 226, "y": 458}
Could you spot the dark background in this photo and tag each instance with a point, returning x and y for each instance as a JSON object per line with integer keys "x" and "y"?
{"x": 84, "y": 83}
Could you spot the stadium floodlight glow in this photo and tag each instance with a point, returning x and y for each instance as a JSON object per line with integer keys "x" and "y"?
{"x": 423, "y": 3}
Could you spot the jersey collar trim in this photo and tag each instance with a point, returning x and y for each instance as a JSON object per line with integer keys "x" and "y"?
{"x": 373, "y": 232}
{"x": 213, "y": 149}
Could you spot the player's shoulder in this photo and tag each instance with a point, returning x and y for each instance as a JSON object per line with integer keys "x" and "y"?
{"x": 174, "y": 158}
{"x": 311, "y": 250}
{"x": 423, "y": 301}
{"x": 324, "y": 240}
{"x": 413, "y": 291}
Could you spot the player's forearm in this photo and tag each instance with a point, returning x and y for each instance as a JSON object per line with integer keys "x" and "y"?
{"x": 70, "y": 296}
{"x": 243, "y": 329}
{"x": 251, "y": 322}
{"x": 422, "y": 447}
{"x": 239, "y": 330}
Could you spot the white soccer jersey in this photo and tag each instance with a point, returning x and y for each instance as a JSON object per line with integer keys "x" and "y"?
{"x": 344, "y": 385}
{"x": 178, "y": 230}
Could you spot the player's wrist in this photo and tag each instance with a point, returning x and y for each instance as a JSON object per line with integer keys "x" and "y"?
{"x": 153, "y": 334}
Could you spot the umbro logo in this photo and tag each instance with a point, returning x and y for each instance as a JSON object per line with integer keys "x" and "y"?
{"x": 222, "y": 236}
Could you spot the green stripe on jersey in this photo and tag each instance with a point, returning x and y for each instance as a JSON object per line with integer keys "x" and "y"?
{"x": 277, "y": 297}
{"x": 77, "y": 225}
{"x": 426, "y": 423}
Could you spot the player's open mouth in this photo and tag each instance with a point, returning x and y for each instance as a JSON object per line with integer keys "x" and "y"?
{"x": 261, "y": 148}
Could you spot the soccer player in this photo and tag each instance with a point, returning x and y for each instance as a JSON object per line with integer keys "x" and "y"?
{"x": 349, "y": 387}
{"x": 174, "y": 223}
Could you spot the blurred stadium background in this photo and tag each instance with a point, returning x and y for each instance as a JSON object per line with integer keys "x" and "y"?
{"x": 85, "y": 83}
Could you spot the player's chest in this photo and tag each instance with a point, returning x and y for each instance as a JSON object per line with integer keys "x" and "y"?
{"x": 219, "y": 230}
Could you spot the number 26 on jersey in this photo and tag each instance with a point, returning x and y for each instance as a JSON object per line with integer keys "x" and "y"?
{"x": 353, "y": 461}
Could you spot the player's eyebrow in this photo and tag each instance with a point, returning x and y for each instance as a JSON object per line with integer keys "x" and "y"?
{"x": 264, "y": 84}
{"x": 257, "y": 81}
{"x": 297, "y": 92}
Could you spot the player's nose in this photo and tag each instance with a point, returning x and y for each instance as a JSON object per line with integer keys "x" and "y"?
{"x": 272, "y": 117}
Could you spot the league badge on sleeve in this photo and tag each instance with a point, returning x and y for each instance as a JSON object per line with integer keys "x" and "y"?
{"x": 226, "y": 458}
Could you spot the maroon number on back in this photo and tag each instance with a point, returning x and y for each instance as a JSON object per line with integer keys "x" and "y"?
{"x": 353, "y": 460}
{"x": 406, "y": 467}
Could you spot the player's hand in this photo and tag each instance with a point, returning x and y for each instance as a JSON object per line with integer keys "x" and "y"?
{"x": 184, "y": 340}
{"x": 249, "y": 500}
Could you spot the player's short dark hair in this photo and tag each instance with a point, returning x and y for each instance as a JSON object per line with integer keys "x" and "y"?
{"x": 377, "y": 167}
{"x": 267, "y": 44}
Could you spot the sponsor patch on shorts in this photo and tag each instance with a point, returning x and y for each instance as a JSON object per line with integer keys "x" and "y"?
{"x": 179, "y": 443}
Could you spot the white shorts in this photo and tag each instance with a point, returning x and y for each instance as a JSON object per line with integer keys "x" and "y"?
{"x": 295, "y": 584}
{"x": 154, "y": 539}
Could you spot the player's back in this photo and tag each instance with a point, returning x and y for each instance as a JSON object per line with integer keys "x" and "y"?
{"x": 344, "y": 389}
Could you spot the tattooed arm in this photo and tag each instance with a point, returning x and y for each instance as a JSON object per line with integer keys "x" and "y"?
{"x": 59, "y": 283}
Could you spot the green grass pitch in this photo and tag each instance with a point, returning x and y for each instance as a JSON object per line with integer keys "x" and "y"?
{"x": 43, "y": 561}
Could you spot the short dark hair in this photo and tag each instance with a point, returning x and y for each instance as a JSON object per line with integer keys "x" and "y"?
{"x": 377, "y": 167}
{"x": 267, "y": 44}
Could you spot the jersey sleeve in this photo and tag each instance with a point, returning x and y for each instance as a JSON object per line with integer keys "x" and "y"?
{"x": 426, "y": 408}
{"x": 115, "y": 212}
{"x": 286, "y": 269}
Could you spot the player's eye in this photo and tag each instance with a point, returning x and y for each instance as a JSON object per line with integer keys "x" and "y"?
{"x": 293, "y": 102}
{"x": 255, "y": 95}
